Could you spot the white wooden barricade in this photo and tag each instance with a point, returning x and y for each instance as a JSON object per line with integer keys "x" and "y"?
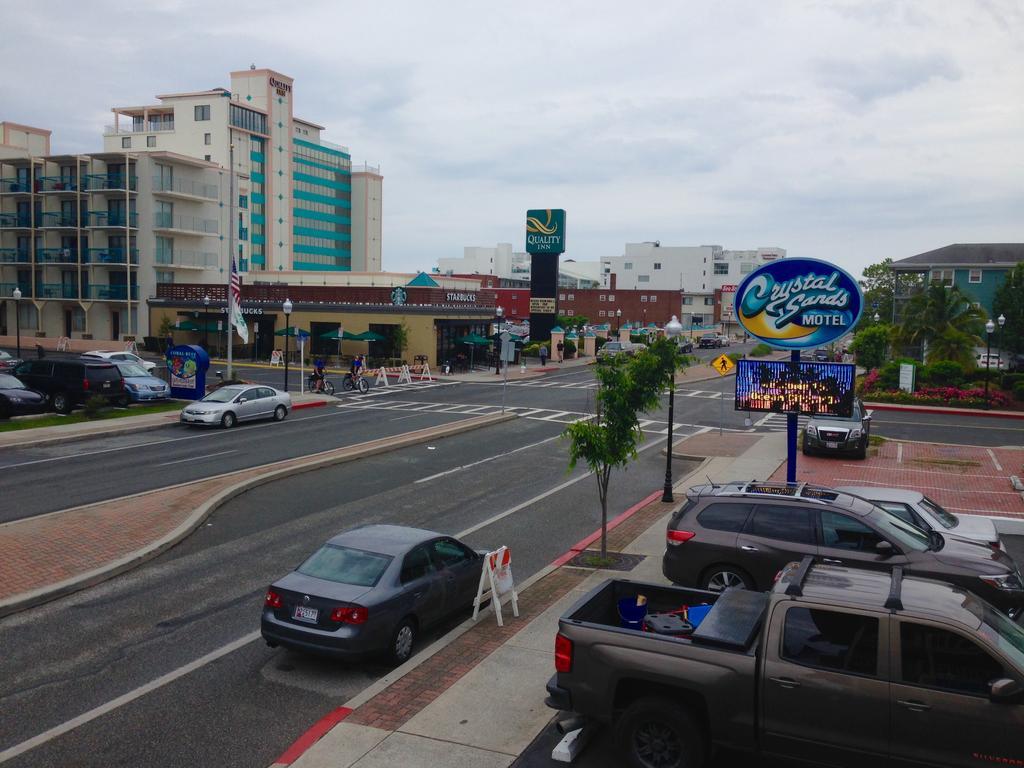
{"x": 62, "y": 344}
{"x": 495, "y": 581}
{"x": 404, "y": 376}
{"x": 277, "y": 357}
{"x": 425, "y": 373}
{"x": 382, "y": 376}
{"x": 130, "y": 346}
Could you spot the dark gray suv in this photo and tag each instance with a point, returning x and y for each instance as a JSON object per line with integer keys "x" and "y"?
{"x": 742, "y": 534}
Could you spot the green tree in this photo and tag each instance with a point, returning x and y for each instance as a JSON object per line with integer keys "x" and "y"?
{"x": 871, "y": 345}
{"x": 945, "y": 322}
{"x": 399, "y": 338}
{"x": 1009, "y": 302}
{"x": 878, "y": 282}
{"x": 627, "y": 386}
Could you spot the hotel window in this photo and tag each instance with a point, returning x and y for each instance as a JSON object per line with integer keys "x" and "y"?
{"x": 151, "y": 141}
{"x": 600, "y": 313}
{"x": 709, "y": 301}
{"x": 643, "y": 278}
{"x": 628, "y": 265}
{"x": 164, "y": 276}
{"x": 202, "y": 111}
{"x": 206, "y": 158}
{"x": 207, "y": 138}
{"x": 561, "y": 297}
{"x": 602, "y": 297}
{"x": 721, "y": 268}
{"x": 942, "y": 277}
{"x": 126, "y": 142}
{"x": 974, "y": 276}
{"x": 653, "y": 299}
{"x": 687, "y": 300}
{"x": 243, "y": 201}
{"x": 611, "y": 297}
{"x": 569, "y": 312}
{"x": 643, "y": 298}
{"x": 746, "y": 269}
{"x": 657, "y": 265}
{"x": 571, "y": 297}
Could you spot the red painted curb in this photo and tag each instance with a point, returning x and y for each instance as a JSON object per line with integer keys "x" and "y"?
{"x": 316, "y": 404}
{"x": 614, "y": 523}
{"x": 313, "y": 735}
{"x": 946, "y": 411}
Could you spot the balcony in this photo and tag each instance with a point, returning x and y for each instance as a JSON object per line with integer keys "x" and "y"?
{"x": 185, "y": 188}
{"x": 7, "y": 289}
{"x": 110, "y": 292}
{"x": 15, "y": 256}
{"x": 139, "y": 126}
{"x": 186, "y": 259}
{"x": 171, "y": 222}
{"x": 109, "y": 256}
{"x": 61, "y": 220}
{"x": 243, "y": 233}
{"x": 56, "y": 256}
{"x": 15, "y": 221}
{"x": 11, "y": 185}
{"x": 112, "y": 219}
{"x": 109, "y": 182}
{"x": 57, "y": 184}
{"x": 56, "y": 291}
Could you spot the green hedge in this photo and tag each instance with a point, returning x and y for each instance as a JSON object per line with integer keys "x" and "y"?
{"x": 1011, "y": 380}
{"x": 943, "y": 373}
{"x": 761, "y": 350}
{"x": 1018, "y": 390}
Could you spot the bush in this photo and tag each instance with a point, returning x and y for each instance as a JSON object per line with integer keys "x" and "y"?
{"x": 532, "y": 349}
{"x": 734, "y": 356}
{"x": 94, "y": 406}
{"x": 889, "y": 374}
{"x": 870, "y": 346}
{"x": 569, "y": 348}
{"x": 943, "y": 373}
{"x": 761, "y": 350}
{"x": 599, "y": 342}
{"x": 1018, "y": 390}
{"x": 1011, "y": 380}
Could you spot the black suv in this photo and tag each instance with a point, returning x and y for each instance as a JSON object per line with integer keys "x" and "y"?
{"x": 67, "y": 383}
{"x": 709, "y": 341}
{"x": 742, "y": 534}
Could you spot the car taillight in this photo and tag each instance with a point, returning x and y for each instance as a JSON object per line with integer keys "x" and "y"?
{"x": 85, "y": 384}
{"x": 272, "y": 600}
{"x": 350, "y": 614}
{"x": 675, "y": 538}
{"x": 563, "y": 653}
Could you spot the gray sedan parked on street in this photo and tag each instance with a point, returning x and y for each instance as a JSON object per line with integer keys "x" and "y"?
{"x": 370, "y": 591}
{"x": 233, "y": 403}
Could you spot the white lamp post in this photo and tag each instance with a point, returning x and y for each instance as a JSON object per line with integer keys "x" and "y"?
{"x": 673, "y": 329}
{"x": 17, "y": 316}
{"x": 989, "y": 328}
{"x": 287, "y": 307}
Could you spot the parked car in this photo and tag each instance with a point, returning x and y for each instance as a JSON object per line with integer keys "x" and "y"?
{"x": 709, "y": 341}
{"x": 836, "y": 666}
{"x": 370, "y": 591}
{"x": 838, "y": 434}
{"x": 993, "y": 360}
{"x": 724, "y": 340}
{"x": 228, "y": 405}
{"x": 617, "y": 347}
{"x": 821, "y": 355}
{"x": 141, "y": 385}
{"x": 917, "y": 509}
{"x": 70, "y": 382}
{"x": 18, "y": 400}
{"x": 122, "y": 357}
{"x": 685, "y": 344}
{"x": 8, "y": 362}
{"x": 741, "y": 534}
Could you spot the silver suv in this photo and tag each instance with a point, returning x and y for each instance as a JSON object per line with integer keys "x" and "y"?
{"x": 836, "y": 434}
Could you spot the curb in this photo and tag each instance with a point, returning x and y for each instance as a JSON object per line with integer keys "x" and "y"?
{"x": 50, "y": 592}
{"x": 945, "y": 411}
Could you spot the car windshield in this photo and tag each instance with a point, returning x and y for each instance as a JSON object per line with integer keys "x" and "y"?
{"x": 5, "y": 355}
{"x": 944, "y": 517}
{"x": 222, "y": 395}
{"x": 902, "y": 532}
{"x": 132, "y": 369}
{"x": 10, "y": 382}
{"x": 345, "y": 565}
{"x": 999, "y": 630}
{"x": 613, "y": 345}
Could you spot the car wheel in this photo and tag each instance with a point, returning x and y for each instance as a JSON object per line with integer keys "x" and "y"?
{"x": 228, "y": 420}
{"x": 862, "y": 452}
{"x": 5, "y": 409}
{"x": 656, "y": 733}
{"x": 718, "y": 578}
{"x": 807, "y": 451}
{"x": 280, "y": 412}
{"x": 61, "y": 402}
{"x": 402, "y": 641}
{"x": 123, "y": 401}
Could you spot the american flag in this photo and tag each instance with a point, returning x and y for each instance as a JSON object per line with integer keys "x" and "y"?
{"x": 236, "y": 284}
{"x": 237, "y": 318}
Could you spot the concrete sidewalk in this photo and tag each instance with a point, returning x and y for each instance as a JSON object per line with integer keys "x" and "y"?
{"x": 476, "y": 697}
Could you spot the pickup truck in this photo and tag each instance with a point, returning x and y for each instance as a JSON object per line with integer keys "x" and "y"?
{"x": 834, "y": 666}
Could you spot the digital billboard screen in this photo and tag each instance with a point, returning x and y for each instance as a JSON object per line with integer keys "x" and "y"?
{"x": 782, "y": 386}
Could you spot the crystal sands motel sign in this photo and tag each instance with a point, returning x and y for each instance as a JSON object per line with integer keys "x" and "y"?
{"x": 798, "y": 303}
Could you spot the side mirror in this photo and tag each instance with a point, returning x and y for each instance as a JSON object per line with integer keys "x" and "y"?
{"x": 884, "y": 548}
{"x": 1005, "y": 690}
{"x": 241, "y": 400}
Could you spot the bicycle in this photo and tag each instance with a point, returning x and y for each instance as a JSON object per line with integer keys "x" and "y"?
{"x": 316, "y": 384}
{"x": 357, "y": 382}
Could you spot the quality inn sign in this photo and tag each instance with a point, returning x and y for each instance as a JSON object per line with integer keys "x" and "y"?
{"x": 545, "y": 230}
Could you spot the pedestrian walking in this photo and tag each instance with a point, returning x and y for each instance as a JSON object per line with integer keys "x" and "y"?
{"x": 543, "y": 355}
{"x": 561, "y": 350}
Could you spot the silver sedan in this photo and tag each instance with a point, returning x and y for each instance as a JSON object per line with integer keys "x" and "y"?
{"x": 233, "y": 403}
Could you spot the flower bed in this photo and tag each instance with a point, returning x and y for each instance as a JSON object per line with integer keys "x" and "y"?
{"x": 948, "y": 396}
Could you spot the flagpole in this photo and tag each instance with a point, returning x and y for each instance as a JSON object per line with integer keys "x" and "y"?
{"x": 231, "y": 255}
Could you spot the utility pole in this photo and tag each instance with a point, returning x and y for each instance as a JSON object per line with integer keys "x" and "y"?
{"x": 231, "y": 253}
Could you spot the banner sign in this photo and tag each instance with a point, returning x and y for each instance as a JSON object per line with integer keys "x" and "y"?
{"x": 798, "y": 303}
{"x": 781, "y": 386}
{"x": 542, "y": 305}
{"x": 186, "y": 371}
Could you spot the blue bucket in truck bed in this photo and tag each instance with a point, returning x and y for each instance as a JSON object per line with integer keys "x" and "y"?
{"x": 631, "y": 615}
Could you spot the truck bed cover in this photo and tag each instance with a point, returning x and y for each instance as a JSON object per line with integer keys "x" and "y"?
{"x": 735, "y": 620}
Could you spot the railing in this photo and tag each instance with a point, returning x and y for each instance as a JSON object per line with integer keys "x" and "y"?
{"x": 163, "y": 220}
{"x": 15, "y": 256}
{"x": 61, "y": 219}
{"x": 57, "y": 291}
{"x": 186, "y": 187}
{"x": 14, "y": 184}
{"x": 15, "y": 220}
{"x": 110, "y": 292}
{"x": 109, "y": 255}
{"x": 56, "y": 256}
{"x": 56, "y": 184}
{"x": 7, "y": 289}
{"x": 186, "y": 258}
{"x": 153, "y": 126}
{"x": 104, "y": 182}
{"x": 328, "y": 144}
{"x": 112, "y": 219}
{"x": 366, "y": 168}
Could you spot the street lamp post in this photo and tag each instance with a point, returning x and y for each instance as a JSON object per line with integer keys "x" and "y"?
{"x": 499, "y": 313}
{"x": 618, "y": 321}
{"x": 673, "y": 329}
{"x": 876, "y": 318}
{"x": 206, "y": 322}
{"x": 999, "y": 340}
{"x": 989, "y": 328}
{"x": 287, "y": 307}
{"x": 17, "y": 316}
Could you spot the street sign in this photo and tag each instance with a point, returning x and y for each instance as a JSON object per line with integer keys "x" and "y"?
{"x": 723, "y": 364}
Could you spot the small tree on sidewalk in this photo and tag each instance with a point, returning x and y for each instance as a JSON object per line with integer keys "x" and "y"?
{"x": 626, "y": 387}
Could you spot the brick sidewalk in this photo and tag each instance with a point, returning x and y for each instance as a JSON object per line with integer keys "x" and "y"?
{"x": 962, "y": 478}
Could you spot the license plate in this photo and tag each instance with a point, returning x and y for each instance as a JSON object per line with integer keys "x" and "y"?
{"x": 302, "y": 613}
{"x": 106, "y": 385}
{"x": 830, "y": 444}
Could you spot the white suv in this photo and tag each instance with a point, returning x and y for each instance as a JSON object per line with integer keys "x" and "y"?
{"x": 122, "y": 357}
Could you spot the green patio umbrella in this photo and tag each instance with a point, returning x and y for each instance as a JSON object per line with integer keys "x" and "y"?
{"x": 291, "y": 331}
{"x": 473, "y": 338}
{"x": 368, "y": 336}
{"x": 344, "y": 335}
{"x": 187, "y": 325}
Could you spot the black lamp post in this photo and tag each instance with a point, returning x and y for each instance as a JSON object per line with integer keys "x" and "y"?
{"x": 500, "y": 313}
{"x": 618, "y": 320}
{"x": 206, "y": 323}
{"x": 673, "y": 329}
{"x": 989, "y": 328}
{"x": 17, "y": 316}
{"x": 287, "y": 332}
{"x": 999, "y": 341}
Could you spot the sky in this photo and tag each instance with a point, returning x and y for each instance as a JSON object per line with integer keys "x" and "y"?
{"x": 847, "y": 131}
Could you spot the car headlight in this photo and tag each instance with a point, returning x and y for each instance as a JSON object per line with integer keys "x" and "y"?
{"x": 1009, "y": 582}
{"x": 812, "y": 431}
{"x": 855, "y": 434}
{"x": 132, "y": 387}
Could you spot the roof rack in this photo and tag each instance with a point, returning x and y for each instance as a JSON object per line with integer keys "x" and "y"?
{"x": 895, "y": 600}
{"x": 796, "y": 584}
{"x": 793, "y": 490}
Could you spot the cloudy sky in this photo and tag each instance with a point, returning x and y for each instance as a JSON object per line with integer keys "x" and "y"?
{"x": 849, "y": 131}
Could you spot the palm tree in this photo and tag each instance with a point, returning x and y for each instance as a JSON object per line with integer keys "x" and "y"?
{"x": 945, "y": 322}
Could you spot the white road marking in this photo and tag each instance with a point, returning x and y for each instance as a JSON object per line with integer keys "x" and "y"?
{"x": 859, "y": 481}
{"x": 484, "y": 461}
{"x": 999, "y": 467}
{"x": 196, "y": 458}
{"x": 899, "y": 453}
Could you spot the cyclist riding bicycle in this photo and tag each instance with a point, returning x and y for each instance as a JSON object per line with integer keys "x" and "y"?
{"x": 319, "y": 374}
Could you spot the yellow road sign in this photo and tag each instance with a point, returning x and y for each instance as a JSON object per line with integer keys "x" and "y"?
{"x": 723, "y": 364}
